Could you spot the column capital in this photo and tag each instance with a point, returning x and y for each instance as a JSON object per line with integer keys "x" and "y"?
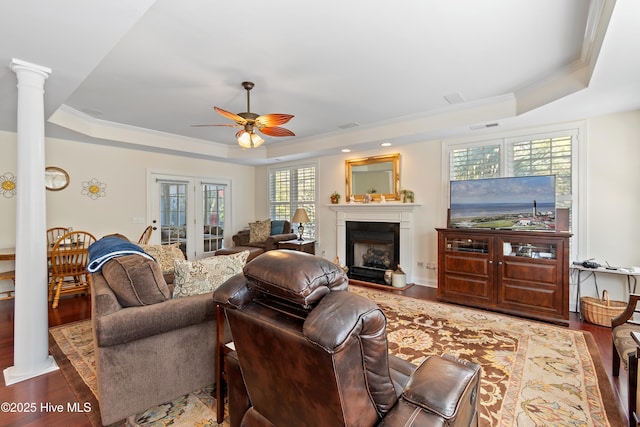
{"x": 20, "y": 65}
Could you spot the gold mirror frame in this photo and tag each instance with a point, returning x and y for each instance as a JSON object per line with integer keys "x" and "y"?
{"x": 55, "y": 178}
{"x": 394, "y": 168}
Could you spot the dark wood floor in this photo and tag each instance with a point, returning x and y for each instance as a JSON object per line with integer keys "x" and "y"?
{"x": 52, "y": 388}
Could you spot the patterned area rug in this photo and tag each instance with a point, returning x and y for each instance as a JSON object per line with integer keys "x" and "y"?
{"x": 534, "y": 374}
{"x": 72, "y": 347}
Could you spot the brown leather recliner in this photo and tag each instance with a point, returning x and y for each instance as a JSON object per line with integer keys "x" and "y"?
{"x": 310, "y": 353}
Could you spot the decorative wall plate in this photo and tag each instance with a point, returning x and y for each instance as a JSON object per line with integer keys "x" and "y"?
{"x": 8, "y": 185}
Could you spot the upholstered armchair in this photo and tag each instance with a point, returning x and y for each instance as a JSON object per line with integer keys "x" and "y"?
{"x": 262, "y": 236}
{"x": 310, "y": 353}
{"x": 279, "y": 231}
{"x": 150, "y": 348}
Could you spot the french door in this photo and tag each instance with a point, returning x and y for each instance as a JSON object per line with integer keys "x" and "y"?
{"x": 190, "y": 211}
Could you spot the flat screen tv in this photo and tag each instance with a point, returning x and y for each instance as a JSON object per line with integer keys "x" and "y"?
{"x": 516, "y": 203}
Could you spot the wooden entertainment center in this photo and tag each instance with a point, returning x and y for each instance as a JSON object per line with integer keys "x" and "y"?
{"x": 524, "y": 273}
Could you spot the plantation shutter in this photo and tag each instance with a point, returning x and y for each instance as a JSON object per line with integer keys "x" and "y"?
{"x": 475, "y": 162}
{"x": 546, "y": 156}
{"x": 292, "y": 188}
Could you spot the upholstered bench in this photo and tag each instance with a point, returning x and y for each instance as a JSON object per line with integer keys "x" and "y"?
{"x": 253, "y": 251}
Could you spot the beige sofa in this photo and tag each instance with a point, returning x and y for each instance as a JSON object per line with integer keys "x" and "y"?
{"x": 149, "y": 354}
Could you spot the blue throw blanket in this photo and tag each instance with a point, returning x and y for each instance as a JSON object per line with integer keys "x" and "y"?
{"x": 108, "y": 248}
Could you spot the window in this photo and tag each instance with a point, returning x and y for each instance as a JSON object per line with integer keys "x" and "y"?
{"x": 548, "y": 153}
{"x": 291, "y": 188}
{"x": 191, "y": 211}
{"x": 546, "y": 156}
{"x": 521, "y": 156}
{"x": 475, "y": 162}
{"x": 213, "y": 216}
{"x": 173, "y": 213}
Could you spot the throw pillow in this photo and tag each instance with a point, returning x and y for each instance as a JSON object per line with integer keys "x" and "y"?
{"x": 165, "y": 255}
{"x": 259, "y": 231}
{"x": 277, "y": 227}
{"x": 136, "y": 280}
{"x": 205, "y": 275}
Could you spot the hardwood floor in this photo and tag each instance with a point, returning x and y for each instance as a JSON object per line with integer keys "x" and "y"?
{"x": 52, "y": 388}
{"x": 49, "y": 388}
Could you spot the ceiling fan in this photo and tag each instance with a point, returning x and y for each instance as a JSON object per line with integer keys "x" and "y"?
{"x": 267, "y": 124}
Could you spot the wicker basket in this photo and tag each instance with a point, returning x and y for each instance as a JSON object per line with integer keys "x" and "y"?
{"x": 601, "y": 311}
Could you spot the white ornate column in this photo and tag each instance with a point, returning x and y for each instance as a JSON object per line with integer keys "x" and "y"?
{"x": 31, "y": 326}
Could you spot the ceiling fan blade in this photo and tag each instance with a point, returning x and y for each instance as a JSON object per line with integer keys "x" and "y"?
{"x": 276, "y": 131}
{"x": 270, "y": 120}
{"x": 236, "y": 118}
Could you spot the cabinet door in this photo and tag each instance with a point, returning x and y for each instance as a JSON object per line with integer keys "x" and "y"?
{"x": 466, "y": 269}
{"x": 530, "y": 277}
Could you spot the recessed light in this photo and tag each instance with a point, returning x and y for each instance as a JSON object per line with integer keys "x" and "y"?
{"x": 346, "y": 150}
{"x": 385, "y": 144}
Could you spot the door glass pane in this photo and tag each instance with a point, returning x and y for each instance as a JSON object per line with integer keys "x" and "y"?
{"x": 213, "y": 216}
{"x": 173, "y": 214}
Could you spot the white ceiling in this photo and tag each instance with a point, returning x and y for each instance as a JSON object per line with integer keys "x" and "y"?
{"x": 140, "y": 73}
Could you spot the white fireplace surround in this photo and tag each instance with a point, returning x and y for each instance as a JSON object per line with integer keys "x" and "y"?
{"x": 399, "y": 213}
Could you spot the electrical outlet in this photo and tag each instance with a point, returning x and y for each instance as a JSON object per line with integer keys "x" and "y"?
{"x": 420, "y": 264}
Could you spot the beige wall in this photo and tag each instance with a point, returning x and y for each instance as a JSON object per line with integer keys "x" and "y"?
{"x": 420, "y": 166}
{"x": 611, "y": 199}
{"x": 125, "y": 173}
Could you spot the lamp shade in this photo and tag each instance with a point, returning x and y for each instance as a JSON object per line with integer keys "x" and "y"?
{"x": 249, "y": 140}
{"x": 300, "y": 216}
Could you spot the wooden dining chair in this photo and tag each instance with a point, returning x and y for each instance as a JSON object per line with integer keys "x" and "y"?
{"x": 69, "y": 258}
{"x": 53, "y": 234}
{"x": 146, "y": 236}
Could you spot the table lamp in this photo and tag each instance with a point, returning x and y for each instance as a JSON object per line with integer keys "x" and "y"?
{"x": 300, "y": 216}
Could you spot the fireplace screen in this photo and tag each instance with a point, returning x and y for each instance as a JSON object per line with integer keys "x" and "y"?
{"x": 372, "y": 248}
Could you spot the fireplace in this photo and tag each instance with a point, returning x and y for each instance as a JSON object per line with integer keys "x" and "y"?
{"x": 372, "y": 248}
{"x": 400, "y": 214}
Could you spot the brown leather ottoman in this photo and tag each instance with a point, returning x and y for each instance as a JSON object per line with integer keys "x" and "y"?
{"x": 253, "y": 251}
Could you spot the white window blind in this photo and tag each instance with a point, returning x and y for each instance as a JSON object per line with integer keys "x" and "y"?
{"x": 291, "y": 188}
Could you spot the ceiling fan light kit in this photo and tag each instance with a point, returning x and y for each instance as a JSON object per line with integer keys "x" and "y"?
{"x": 267, "y": 124}
{"x": 249, "y": 139}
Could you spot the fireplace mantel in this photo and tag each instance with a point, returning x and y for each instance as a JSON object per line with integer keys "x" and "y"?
{"x": 401, "y": 213}
{"x": 374, "y": 206}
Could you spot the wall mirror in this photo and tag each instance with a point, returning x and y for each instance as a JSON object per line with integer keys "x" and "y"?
{"x": 378, "y": 176}
{"x": 55, "y": 179}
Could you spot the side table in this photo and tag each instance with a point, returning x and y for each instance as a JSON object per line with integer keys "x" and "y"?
{"x": 308, "y": 246}
{"x": 632, "y": 279}
{"x": 222, "y": 349}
